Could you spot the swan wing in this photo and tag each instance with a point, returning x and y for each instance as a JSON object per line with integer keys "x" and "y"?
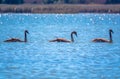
{"x": 13, "y": 40}
{"x": 100, "y": 40}
{"x": 60, "y": 40}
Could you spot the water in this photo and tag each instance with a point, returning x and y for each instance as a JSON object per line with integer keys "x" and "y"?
{"x": 40, "y": 59}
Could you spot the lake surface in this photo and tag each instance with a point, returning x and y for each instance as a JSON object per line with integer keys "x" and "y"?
{"x": 41, "y": 59}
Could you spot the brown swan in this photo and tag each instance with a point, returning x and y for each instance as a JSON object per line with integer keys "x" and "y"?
{"x": 104, "y": 40}
{"x": 65, "y": 40}
{"x": 18, "y": 40}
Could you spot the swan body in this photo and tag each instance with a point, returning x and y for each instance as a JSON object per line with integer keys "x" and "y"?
{"x": 13, "y": 40}
{"x": 60, "y": 40}
{"x": 65, "y": 40}
{"x": 18, "y": 40}
{"x": 104, "y": 40}
{"x": 100, "y": 40}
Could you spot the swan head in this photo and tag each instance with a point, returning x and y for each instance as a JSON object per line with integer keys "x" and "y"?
{"x": 26, "y": 31}
{"x": 74, "y": 32}
{"x": 111, "y": 31}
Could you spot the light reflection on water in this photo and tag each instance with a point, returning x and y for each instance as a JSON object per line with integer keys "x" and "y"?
{"x": 40, "y": 59}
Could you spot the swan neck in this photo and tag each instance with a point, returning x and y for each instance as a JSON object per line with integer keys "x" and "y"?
{"x": 72, "y": 39}
{"x": 110, "y": 33}
{"x": 25, "y": 38}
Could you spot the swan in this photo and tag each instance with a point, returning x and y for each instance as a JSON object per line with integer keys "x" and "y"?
{"x": 104, "y": 40}
{"x": 18, "y": 40}
{"x": 65, "y": 40}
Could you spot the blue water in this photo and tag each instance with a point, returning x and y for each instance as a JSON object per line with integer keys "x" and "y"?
{"x": 40, "y": 59}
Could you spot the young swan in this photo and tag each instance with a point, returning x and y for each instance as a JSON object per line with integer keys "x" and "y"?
{"x": 104, "y": 40}
{"x": 18, "y": 40}
{"x": 65, "y": 40}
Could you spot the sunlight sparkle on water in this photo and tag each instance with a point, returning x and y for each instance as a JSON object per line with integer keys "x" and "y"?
{"x": 41, "y": 59}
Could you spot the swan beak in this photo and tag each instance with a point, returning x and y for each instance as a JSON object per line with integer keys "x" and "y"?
{"x": 112, "y": 31}
{"x": 27, "y": 31}
{"x": 76, "y": 34}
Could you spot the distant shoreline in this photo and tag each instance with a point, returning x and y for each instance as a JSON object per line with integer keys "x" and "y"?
{"x": 60, "y": 8}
